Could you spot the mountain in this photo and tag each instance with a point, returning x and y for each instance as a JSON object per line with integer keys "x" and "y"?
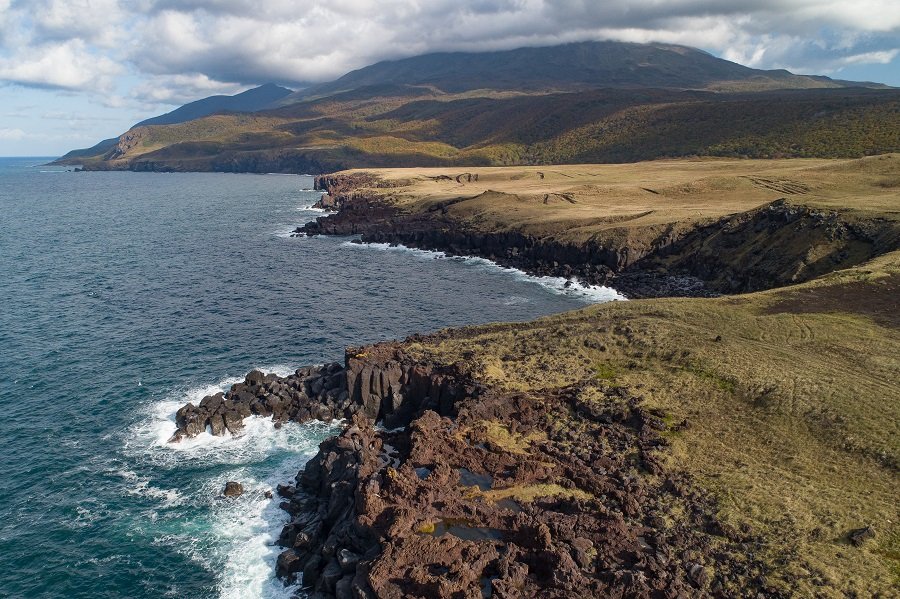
{"x": 97, "y": 149}
{"x": 592, "y": 102}
{"x": 258, "y": 98}
{"x": 576, "y": 66}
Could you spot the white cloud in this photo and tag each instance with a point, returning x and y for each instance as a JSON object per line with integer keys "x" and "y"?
{"x": 94, "y": 21}
{"x": 233, "y": 40}
{"x": 179, "y": 89}
{"x": 12, "y": 134}
{"x": 880, "y": 57}
{"x": 179, "y": 50}
{"x": 66, "y": 65}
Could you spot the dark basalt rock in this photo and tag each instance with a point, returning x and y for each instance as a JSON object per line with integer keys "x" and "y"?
{"x": 859, "y": 536}
{"x": 288, "y": 398}
{"x": 326, "y": 392}
{"x": 365, "y": 522}
{"x": 233, "y": 489}
{"x": 698, "y": 262}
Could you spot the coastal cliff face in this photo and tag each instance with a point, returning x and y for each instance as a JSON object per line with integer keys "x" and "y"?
{"x": 778, "y": 244}
{"x": 212, "y": 157}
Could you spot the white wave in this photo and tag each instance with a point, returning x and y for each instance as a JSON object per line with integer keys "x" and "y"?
{"x": 233, "y": 537}
{"x": 85, "y": 517}
{"x": 246, "y": 529}
{"x": 515, "y": 300}
{"x": 140, "y": 486}
{"x": 310, "y": 212}
{"x": 237, "y": 536}
{"x": 311, "y": 208}
{"x": 560, "y": 285}
{"x": 158, "y": 426}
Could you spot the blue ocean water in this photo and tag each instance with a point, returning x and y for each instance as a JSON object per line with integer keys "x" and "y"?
{"x": 124, "y": 295}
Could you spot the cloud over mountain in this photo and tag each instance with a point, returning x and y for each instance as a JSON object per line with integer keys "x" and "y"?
{"x": 171, "y": 49}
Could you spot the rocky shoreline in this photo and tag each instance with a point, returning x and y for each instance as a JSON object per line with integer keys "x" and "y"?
{"x": 463, "y": 491}
{"x": 763, "y": 248}
{"x": 372, "y": 220}
{"x": 443, "y": 486}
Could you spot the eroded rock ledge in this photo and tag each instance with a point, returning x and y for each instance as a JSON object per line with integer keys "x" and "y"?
{"x": 468, "y": 492}
{"x": 389, "y": 394}
{"x": 778, "y": 244}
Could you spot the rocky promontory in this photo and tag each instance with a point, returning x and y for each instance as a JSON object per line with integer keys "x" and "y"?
{"x": 461, "y": 490}
{"x": 781, "y": 242}
{"x": 325, "y": 392}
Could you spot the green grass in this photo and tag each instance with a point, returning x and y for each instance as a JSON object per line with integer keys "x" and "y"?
{"x": 721, "y": 383}
{"x": 604, "y": 372}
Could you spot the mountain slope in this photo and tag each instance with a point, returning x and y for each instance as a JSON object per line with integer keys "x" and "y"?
{"x": 594, "y": 102}
{"x": 568, "y": 67}
{"x": 258, "y": 98}
{"x": 97, "y": 149}
{"x": 568, "y": 128}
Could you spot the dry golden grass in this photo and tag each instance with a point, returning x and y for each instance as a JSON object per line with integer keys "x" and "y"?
{"x": 218, "y": 128}
{"x": 528, "y": 493}
{"x": 577, "y": 202}
{"x": 500, "y": 435}
{"x": 794, "y": 412}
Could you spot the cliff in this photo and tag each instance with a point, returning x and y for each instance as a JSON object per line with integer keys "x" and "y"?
{"x": 709, "y": 233}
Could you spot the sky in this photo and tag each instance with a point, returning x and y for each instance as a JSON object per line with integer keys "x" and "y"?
{"x": 73, "y": 72}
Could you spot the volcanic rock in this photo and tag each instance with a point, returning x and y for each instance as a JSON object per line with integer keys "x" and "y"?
{"x": 233, "y": 489}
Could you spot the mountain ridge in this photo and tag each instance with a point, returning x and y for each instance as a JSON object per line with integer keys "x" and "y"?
{"x": 574, "y": 66}
{"x": 251, "y": 100}
{"x": 585, "y": 102}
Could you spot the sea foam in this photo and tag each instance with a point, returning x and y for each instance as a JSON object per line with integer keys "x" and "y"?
{"x": 234, "y": 537}
{"x": 560, "y": 285}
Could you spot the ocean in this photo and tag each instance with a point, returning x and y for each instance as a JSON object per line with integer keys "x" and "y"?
{"x": 125, "y": 295}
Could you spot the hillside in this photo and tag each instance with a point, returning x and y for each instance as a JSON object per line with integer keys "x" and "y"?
{"x": 392, "y": 129}
{"x": 591, "y": 102}
{"x": 252, "y": 100}
{"x": 780, "y": 407}
{"x": 258, "y": 98}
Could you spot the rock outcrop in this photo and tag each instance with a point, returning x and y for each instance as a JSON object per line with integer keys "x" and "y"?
{"x": 777, "y": 244}
{"x": 327, "y": 392}
{"x": 505, "y": 495}
{"x": 467, "y": 492}
{"x": 233, "y": 489}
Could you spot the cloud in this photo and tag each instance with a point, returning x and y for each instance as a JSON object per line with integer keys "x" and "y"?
{"x": 68, "y": 65}
{"x": 176, "y": 50}
{"x": 95, "y": 21}
{"x": 313, "y": 40}
{"x": 879, "y": 57}
{"x": 12, "y": 134}
{"x": 179, "y": 89}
